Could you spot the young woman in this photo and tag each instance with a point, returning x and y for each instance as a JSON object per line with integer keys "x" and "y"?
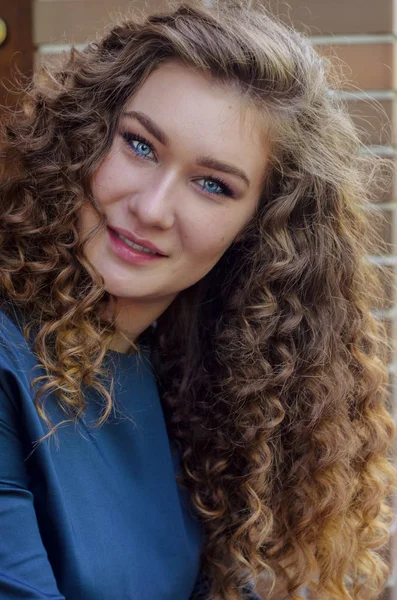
{"x": 185, "y": 297}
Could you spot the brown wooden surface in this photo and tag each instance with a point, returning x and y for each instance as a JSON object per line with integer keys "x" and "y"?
{"x": 17, "y": 51}
{"x": 363, "y": 66}
{"x": 78, "y": 19}
{"x": 323, "y": 17}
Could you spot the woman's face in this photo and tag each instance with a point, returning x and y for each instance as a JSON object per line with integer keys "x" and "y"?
{"x": 182, "y": 178}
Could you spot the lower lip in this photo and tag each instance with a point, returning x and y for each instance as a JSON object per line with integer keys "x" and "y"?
{"x": 135, "y": 257}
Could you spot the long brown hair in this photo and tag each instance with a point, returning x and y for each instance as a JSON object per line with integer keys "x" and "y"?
{"x": 273, "y": 367}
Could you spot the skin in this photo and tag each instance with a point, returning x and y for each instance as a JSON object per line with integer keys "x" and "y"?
{"x": 164, "y": 196}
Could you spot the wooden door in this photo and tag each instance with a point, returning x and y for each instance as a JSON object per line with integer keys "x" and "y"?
{"x": 16, "y": 50}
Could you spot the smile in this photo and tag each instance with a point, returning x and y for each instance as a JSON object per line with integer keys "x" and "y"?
{"x": 131, "y": 252}
{"x": 134, "y": 246}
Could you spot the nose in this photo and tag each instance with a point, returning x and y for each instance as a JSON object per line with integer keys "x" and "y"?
{"x": 153, "y": 203}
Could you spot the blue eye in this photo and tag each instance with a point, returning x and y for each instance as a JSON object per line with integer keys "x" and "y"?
{"x": 213, "y": 186}
{"x": 216, "y": 186}
{"x": 143, "y": 148}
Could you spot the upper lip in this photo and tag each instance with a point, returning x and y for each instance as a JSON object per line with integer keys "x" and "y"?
{"x": 137, "y": 240}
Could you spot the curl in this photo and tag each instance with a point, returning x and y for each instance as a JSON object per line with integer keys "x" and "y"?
{"x": 279, "y": 402}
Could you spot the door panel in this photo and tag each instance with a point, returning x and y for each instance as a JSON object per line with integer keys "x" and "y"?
{"x": 16, "y": 52}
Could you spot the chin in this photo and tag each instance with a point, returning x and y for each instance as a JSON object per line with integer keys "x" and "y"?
{"x": 116, "y": 287}
{"x": 119, "y": 291}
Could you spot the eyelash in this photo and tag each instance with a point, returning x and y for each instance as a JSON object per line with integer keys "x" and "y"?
{"x": 129, "y": 137}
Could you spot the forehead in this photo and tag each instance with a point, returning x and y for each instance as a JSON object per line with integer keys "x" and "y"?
{"x": 191, "y": 93}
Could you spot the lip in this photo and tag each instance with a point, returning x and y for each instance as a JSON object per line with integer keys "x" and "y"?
{"x": 128, "y": 254}
{"x": 137, "y": 240}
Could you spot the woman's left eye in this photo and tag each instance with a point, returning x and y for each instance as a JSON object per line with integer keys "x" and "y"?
{"x": 215, "y": 186}
{"x": 139, "y": 144}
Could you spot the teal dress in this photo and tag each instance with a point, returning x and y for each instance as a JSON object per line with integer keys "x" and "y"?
{"x": 97, "y": 513}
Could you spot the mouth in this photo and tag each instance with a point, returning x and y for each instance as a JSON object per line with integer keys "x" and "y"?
{"x": 131, "y": 251}
{"x": 135, "y": 243}
{"x": 135, "y": 246}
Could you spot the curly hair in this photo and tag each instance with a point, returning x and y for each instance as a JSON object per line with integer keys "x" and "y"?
{"x": 279, "y": 402}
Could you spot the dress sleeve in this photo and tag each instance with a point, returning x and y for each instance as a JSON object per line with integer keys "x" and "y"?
{"x": 25, "y": 571}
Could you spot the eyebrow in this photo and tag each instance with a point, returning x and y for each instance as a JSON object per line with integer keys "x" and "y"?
{"x": 203, "y": 161}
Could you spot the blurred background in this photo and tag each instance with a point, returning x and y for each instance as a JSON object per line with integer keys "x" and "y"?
{"x": 361, "y": 33}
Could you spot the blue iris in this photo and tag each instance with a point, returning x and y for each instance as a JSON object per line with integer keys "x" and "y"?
{"x": 146, "y": 150}
{"x": 212, "y": 186}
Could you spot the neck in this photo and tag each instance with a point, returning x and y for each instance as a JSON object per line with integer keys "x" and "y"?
{"x": 132, "y": 318}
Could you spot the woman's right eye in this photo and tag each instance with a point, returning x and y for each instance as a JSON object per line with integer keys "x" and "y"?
{"x": 140, "y": 146}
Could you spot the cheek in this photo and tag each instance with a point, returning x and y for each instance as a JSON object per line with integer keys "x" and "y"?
{"x": 87, "y": 218}
{"x": 212, "y": 233}
{"x": 87, "y": 222}
{"x": 209, "y": 238}
{"x": 110, "y": 178}
{"x": 102, "y": 184}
